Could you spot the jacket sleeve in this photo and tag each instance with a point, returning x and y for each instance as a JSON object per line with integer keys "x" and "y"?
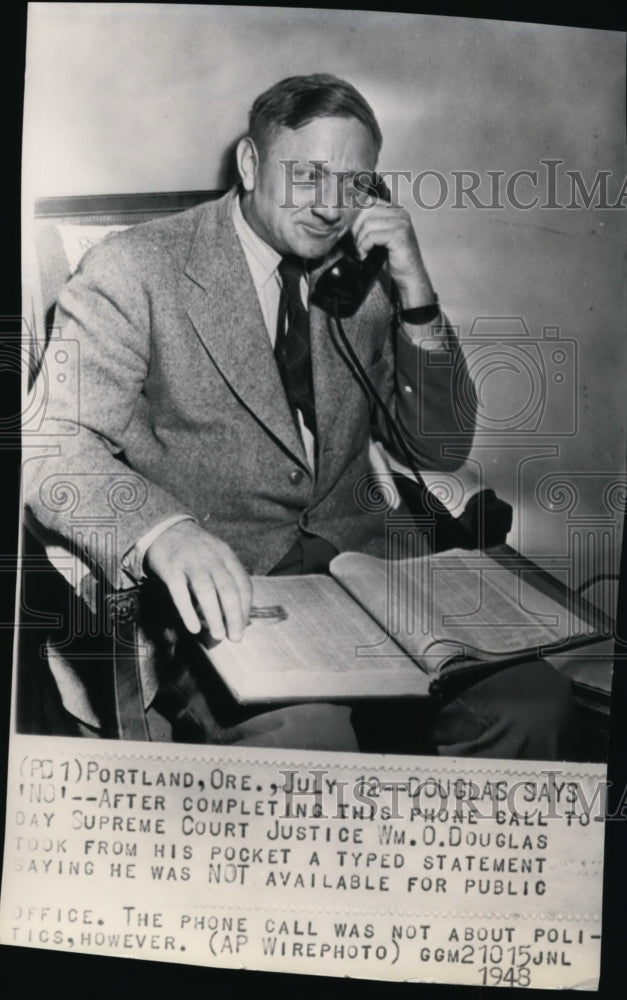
{"x": 431, "y": 396}
{"x": 78, "y": 485}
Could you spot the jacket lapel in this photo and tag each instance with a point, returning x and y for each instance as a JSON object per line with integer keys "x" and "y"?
{"x": 225, "y": 311}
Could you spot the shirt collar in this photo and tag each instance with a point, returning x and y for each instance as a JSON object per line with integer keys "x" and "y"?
{"x": 264, "y": 259}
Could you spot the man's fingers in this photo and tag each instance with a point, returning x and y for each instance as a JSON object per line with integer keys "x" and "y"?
{"x": 386, "y": 215}
{"x": 205, "y": 589}
{"x": 224, "y": 600}
{"x": 180, "y": 595}
{"x": 243, "y": 584}
{"x": 205, "y": 578}
{"x": 375, "y": 235}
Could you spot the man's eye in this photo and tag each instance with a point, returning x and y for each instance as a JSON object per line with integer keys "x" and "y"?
{"x": 308, "y": 176}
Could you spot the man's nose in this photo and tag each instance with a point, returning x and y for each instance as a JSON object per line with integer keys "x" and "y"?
{"x": 326, "y": 205}
{"x": 327, "y": 211}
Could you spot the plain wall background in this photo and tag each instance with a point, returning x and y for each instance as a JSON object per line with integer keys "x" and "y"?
{"x": 131, "y": 98}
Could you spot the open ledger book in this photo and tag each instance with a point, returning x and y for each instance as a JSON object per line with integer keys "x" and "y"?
{"x": 381, "y": 628}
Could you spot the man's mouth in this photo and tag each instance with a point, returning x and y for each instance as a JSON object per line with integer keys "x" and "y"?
{"x": 320, "y": 233}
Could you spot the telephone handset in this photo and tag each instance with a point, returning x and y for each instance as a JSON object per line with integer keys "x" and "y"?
{"x": 341, "y": 289}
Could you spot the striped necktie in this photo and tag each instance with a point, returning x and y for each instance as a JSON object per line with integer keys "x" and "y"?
{"x": 292, "y": 347}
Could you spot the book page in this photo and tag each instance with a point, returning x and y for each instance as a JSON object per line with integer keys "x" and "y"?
{"x": 313, "y": 652}
{"x": 456, "y": 604}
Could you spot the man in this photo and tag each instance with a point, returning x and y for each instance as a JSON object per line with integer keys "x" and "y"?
{"x": 187, "y": 327}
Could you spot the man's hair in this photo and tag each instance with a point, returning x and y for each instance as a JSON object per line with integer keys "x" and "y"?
{"x": 298, "y": 100}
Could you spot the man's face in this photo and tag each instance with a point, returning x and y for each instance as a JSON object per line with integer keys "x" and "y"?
{"x": 291, "y": 205}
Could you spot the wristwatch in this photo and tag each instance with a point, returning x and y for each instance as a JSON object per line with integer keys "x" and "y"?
{"x": 421, "y": 314}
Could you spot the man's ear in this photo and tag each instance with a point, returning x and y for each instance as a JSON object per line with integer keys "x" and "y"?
{"x": 247, "y": 162}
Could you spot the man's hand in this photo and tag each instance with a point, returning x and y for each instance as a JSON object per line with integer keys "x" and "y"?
{"x": 390, "y": 226}
{"x": 206, "y": 580}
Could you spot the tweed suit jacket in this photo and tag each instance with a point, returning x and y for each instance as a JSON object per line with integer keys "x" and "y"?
{"x": 175, "y": 404}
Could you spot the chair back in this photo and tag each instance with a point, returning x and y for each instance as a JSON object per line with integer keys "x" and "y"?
{"x": 65, "y": 228}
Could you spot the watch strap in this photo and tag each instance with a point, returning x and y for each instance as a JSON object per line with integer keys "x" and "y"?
{"x": 421, "y": 314}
